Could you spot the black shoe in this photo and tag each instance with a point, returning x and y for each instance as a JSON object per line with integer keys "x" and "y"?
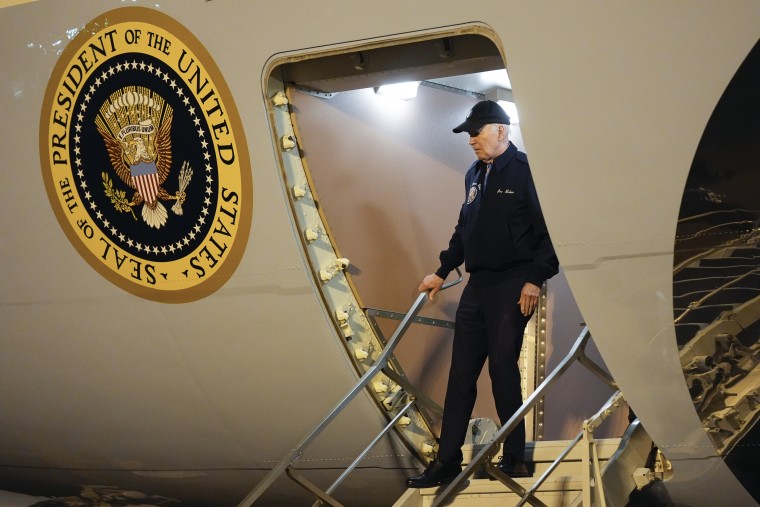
{"x": 436, "y": 474}
{"x": 513, "y": 468}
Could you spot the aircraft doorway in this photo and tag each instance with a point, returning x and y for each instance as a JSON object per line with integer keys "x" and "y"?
{"x": 386, "y": 177}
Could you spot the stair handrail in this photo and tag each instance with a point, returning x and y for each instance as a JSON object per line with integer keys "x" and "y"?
{"x": 381, "y": 362}
{"x": 486, "y": 454}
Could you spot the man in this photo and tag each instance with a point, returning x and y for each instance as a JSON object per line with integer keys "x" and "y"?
{"x": 502, "y": 239}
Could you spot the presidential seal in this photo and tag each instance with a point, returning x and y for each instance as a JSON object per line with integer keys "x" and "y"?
{"x": 144, "y": 158}
{"x": 473, "y": 193}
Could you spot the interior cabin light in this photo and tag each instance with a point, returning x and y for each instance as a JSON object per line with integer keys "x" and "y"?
{"x": 505, "y": 99}
{"x": 511, "y": 110}
{"x": 403, "y": 91}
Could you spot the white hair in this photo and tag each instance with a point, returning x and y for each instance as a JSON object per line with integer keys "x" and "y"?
{"x": 507, "y": 129}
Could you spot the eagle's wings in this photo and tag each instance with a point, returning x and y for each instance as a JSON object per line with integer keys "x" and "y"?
{"x": 164, "y": 148}
{"x": 116, "y": 155}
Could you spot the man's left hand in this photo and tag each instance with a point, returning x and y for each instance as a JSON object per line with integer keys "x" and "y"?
{"x": 529, "y": 298}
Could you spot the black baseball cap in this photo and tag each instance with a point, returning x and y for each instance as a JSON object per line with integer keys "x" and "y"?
{"x": 483, "y": 113}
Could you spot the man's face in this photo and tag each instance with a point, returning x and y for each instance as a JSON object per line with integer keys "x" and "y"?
{"x": 486, "y": 142}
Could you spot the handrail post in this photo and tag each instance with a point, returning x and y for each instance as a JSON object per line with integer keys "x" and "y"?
{"x": 593, "y": 489}
{"x": 381, "y": 362}
{"x": 593, "y": 493}
{"x": 589, "y": 424}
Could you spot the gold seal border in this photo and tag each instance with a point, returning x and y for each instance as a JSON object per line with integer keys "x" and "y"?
{"x": 240, "y": 240}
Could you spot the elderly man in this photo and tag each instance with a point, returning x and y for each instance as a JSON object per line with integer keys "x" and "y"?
{"x": 502, "y": 239}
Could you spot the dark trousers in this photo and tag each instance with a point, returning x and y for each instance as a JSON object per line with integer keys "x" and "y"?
{"x": 489, "y": 324}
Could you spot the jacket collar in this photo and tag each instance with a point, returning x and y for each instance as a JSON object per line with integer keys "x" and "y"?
{"x": 500, "y": 162}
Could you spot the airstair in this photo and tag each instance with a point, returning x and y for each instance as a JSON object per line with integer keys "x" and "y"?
{"x": 583, "y": 471}
{"x": 564, "y": 486}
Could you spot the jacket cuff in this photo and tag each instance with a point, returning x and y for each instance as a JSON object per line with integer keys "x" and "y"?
{"x": 443, "y": 272}
{"x": 536, "y": 279}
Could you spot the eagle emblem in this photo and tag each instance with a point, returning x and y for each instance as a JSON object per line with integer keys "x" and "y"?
{"x": 135, "y": 124}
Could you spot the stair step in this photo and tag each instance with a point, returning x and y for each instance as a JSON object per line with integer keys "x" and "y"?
{"x": 561, "y": 488}
{"x": 487, "y": 486}
{"x": 546, "y": 451}
{"x": 559, "y": 491}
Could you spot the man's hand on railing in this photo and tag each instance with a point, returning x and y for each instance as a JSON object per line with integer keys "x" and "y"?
{"x": 433, "y": 283}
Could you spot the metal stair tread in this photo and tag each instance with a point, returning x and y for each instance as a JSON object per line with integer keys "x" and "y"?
{"x": 546, "y": 451}
{"x": 487, "y": 486}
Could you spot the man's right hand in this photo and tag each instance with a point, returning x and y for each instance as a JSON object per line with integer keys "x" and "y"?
{"x": 433, "y": 283}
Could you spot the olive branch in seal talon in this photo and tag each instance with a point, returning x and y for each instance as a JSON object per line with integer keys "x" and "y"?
{"x": 118, "y": 197}
{"x": 185, "y": 175}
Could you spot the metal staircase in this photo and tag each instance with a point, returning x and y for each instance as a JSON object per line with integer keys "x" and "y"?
{"x": 561, "y": 480}
{"x": 617, "y": 458}
{"x": 565, "y": 473}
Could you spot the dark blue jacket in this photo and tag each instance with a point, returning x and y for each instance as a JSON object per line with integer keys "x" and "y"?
{"x": 501, "y": 232}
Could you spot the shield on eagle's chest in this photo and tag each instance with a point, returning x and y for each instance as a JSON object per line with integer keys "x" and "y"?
{"x": 145, "y": 177}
